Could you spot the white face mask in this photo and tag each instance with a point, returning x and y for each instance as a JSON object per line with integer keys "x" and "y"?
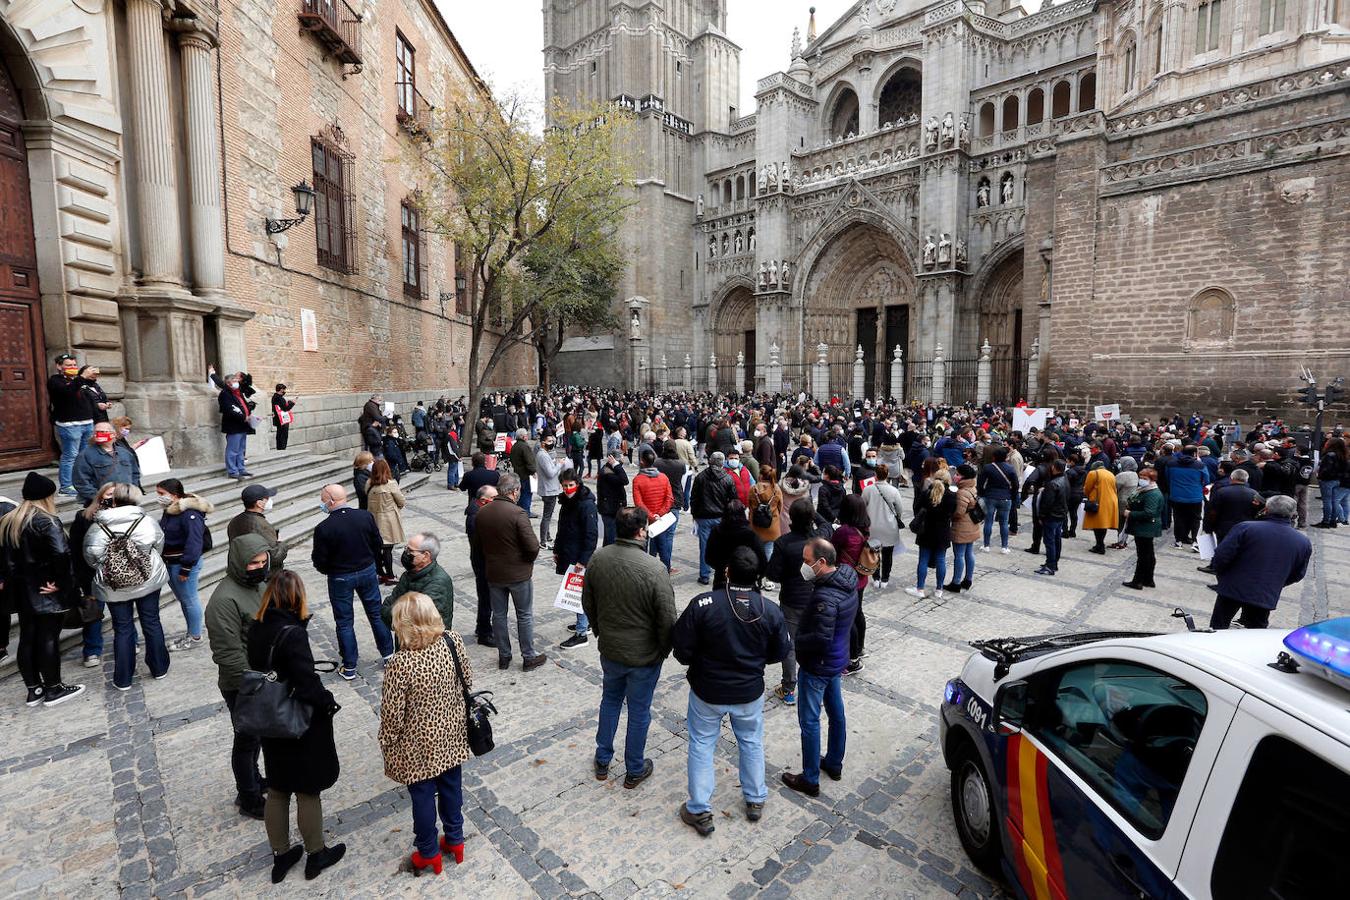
{"x": 1144, "y": 482}
{"x": 164, "y": 499}
{"x": 267, "y": 505}
{"x": 808, "y": 574}
{"x": 234, "y": 385}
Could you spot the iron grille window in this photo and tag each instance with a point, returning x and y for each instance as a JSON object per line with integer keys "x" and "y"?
{"x": 334, "y": 206}
{"x": 414, "y": 274}
{"x": 407, "y": 76}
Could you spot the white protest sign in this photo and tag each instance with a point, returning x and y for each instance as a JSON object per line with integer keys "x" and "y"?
{"x": 569, "y": 592}
{"x": 1026, "y": 418}
{"x": 499, "y": 445}
{"x": 154, "y": 459}
{"x": 660, "y": 525}
{"x": 1108, "y": 413}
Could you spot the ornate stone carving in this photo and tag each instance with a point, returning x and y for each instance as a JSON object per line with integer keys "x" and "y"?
{"x": 929, "y": 252}
{"x": 961, "y": 252}
{"x": 930, "y": 133}
{"x": 944, "y": 250}
{"x": 1007, "y": 188}
{"x": 982, "y": 193}
{"x": 948, "y": 130}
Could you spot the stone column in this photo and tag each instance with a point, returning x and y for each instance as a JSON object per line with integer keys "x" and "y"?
{"x": 1034, "y": 373}
{"x": 939, "y": 393}
{"x": 984, "y": 375}
{"x": 203, "y": 156}
{"x": 820, "y": 387}
{"x": 859, "y": 373}
{"x": 898, "y": 375}
{"x": 642, "y": 374}
{"x": 739, "y": 386}
{"x": 712, "y": 373}
{"x": 152, "y": 133}
{"x": 688, "y": 383}
{"x": 774, "y": 378}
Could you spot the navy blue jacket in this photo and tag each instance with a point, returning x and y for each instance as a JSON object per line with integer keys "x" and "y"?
{"x": 832, "y": 454}
{"x": 578, "y": 529}
{"x": 1186, "y": 480}
{"x": 727, "y": 648}
{"x": 184, "y": 526}
{"x": 1258, "y": 559}
{"x": 347, "y": 541}
{"x": 822, "y": 637}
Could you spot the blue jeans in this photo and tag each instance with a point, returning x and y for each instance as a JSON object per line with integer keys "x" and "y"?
{"x": 999, "y": 509}
{"x": 663, "y": 544}
{"x": 813, "y": 692}
{"x": 583, "y": 624}
{"x": 124, "y": 615}
{"x": 526, "y": 495}
{"x": 235, "y": 445}
{"x": 93, "y": 636}
{"x": 963, "y": 561}
{"x": 939, "y": 559}
{"x": 366, "y": 585}
{"x": 446, "y": 790}
{"x": 186, "y": 592}
{"x": 73, "y": 439}
{"x": 452, "y": 471}
{"x": 635, "y": 685}
{"x": 1330, "y": 508}
{"x": 705, "y": 727}
{"x": 1343, "y": 503}
{"x": 1052, "y": 532}
{"x": 611, "y": 530}
{"x": 705, "y": 527}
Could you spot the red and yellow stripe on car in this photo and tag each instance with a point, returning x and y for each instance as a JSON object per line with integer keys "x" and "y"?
{"x": 1032, "y": 832}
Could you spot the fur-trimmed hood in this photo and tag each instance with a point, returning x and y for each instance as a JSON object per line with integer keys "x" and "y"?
{"x": 191, "y": 501}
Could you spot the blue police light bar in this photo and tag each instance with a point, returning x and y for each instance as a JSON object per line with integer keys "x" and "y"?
{"x": 1324, "y": 648}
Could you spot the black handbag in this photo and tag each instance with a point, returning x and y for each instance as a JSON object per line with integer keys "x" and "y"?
{"x": 85, "y": 611}
{"x": 1090, "y": 506}
{"x": 477, "y": 708}
{"x": 976, "y": 512}
{"x": 265, "y": 707}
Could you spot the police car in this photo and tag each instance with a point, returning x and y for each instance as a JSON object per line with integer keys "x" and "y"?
{"x": 1113, "y": 765}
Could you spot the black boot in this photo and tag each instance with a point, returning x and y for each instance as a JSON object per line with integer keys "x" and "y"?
{"x": 283, "y": 862}
{"x": 953, "y": 588}
{"x": 965, "y": 584}
{"x": 324, "y": 858}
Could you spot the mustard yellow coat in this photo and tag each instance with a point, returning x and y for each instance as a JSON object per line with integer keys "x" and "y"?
{"x": 1101, "y": 487}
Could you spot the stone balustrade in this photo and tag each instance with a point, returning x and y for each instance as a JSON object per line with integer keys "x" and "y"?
{"x": 863, "y": 155}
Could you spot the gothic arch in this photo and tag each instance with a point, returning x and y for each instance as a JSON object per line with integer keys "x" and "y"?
{"x": 842, "y": 111}
{"x": 733, "y": 327}
{"x": 1211, "y": 318}
{"x": 899, "y": 90}
{"x": 995, "y": 258}
{"x": 905, "y": 240}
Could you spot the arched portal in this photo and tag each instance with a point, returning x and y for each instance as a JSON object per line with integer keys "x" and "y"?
{"x": 901, "y": 96}
{"x": 844, "y": 115}
{"x": 860, "y": 292}
{"x": 733, "y": 333}
{"x": 1000, "y": 323}
{"x": 24, "y": 432}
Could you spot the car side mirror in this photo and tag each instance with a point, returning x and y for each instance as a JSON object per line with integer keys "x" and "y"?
{"x": 1010, "y": 707}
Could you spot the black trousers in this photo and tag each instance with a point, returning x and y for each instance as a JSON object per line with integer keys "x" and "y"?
{"x": 386, "y": 566}
{"x": 1035, "y": 534}
{"x": 483, "y": 626}
{"x": 1225, "y": 608}
{"x": 1100, "y": 535}
{"x": 887, "y": 557}
{"x": 1186, "y": 521}
{"x": 248, "y": 780}
{"x": 39, "y": 655}
{"x": 1145, "y": 561}
{"x": 283, "y": 436}
{"x": 857, "y": 637}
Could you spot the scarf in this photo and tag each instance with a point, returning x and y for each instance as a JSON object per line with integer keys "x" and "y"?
{"x": 650, "y": 472}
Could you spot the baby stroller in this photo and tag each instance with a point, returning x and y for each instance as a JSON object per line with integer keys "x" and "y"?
{"x": 422, "y": 459}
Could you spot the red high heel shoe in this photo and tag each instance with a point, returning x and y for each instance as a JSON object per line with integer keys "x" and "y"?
{"x": 456, "y": 850}
{"x": 421, "y": 863}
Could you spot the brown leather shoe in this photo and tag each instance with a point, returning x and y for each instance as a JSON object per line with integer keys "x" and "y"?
{"x": 535, "y": 663}
{"x": 800, "y": 784}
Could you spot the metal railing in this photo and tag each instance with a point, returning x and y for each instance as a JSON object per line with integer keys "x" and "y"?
{"x": 414, "y": 110}
{"x": 336, "y": 25}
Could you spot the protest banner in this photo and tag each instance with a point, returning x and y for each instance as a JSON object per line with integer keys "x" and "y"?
{"x": 1026, "y": 418}
{"x": 1108, "y": 413}
{"x": 569, "y": 592}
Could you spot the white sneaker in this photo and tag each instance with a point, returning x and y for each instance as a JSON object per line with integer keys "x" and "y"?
{"x": 939, "y": 595}
{"x": 881, "y": 585}
{"x": 1005, "y": 551}
{"x": 93, "y": 662}
{"x": 916, "y": 593}
{"x": 984, "y": 548}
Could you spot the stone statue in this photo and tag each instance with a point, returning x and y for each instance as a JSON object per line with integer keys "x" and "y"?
{"x": 787, "y": 273}
{"x": 698, "y": 207}
{"x": 752, "y": 240}
{"x": 948, "y": 130}
{"x": 773, "y": 271}
{"x": 787, "y": 174}
{"x": 763, "y": 274}
{"x": 773, "y": 176}
{"x": 944, "y": 250}
{"x": 1007, "y": 188}
{"x": 635, "y": 326}
{"x": 763, "y": 178}
{"x": 712, "y": 246}
{"x": 740, "y": 242}
{"x": 982, "y": 193}
{"x": 796, "y": 42}
{"x": 929, "y": 252}
{"x": 961, "y": 251}
{"x": 964, "y": 139}
{"x": 930, "y": 133}
{"x": 726, "y": 245}
{"x": 865, "y": 14}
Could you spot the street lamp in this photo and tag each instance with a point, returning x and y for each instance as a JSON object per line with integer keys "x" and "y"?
{"x": 304, "y": 202}
{"x": 460, "y": 283}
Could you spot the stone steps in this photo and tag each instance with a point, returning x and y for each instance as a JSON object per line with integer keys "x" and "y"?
{"x": 298, "y": 478}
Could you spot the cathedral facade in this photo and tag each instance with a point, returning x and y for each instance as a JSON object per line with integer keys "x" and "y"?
{"x": 1139, "y": 201}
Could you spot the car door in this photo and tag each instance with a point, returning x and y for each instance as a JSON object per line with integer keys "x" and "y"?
{"x": 1103, "y": 779}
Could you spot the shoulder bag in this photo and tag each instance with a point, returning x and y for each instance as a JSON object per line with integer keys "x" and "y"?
{"x": 265, "y": 707}
{"x": 477, "y": 708}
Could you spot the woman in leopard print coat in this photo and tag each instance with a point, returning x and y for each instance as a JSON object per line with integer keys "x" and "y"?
{"x": 422, "y": 730}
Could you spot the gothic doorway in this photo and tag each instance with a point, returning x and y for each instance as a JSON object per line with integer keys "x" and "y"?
{"x": 733, "y": 334}
{"x": 25, "y": 437}
{"x": 1001, "y": 324}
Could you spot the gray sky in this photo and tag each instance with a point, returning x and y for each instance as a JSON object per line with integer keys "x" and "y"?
{"x": 505, "y": 38}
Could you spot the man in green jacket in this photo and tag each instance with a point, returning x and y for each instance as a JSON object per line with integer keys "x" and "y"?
{"x": 522, "y": 459}
{"x": 229, "y": 615}
{"x": 423, "y": 574}
{"x": 1144, "y": 520}
{"x": 630, "y": 603}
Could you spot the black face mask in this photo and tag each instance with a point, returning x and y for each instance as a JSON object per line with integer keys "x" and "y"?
{"x": 256, "y": 576}
{"x": 407, "y": 559}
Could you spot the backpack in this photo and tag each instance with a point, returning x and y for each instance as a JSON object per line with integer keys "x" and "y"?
{"x": 869, "y": 559}
{"x": 762, "y": 517}
{"x": 208, "y": 542}
{"x": 125, "y": 563}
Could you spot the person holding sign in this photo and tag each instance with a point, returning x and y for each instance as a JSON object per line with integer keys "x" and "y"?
{"x": 578, "y": 533}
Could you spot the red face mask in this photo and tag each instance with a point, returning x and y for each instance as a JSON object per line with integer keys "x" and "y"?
{"x": 102, "y": 437}
{"x": 569, "y": 491}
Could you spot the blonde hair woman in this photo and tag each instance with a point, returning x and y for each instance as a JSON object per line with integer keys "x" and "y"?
{"x": 934, "y": 503}
{"x": 38, "y": 575}
{"x": 423, "y": 734}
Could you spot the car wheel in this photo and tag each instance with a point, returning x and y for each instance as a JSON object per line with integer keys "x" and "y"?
{"x": 974, "y": 810}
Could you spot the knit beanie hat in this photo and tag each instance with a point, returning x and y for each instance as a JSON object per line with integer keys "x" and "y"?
{"x": 38, "y": 487}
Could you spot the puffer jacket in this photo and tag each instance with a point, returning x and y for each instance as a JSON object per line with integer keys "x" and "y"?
{"x": 822, "y": 636}
{"x": 629, "y": 600}
{"x": 145, "y": 533}
{"x": 184, "y": 526}
{"x": 713, "y": 489}
{"x": 231, "y": 610}
{"x": 1186, "y": 480}
{"x": 42, "y": 556}
{"x": 964, "y": 531}
{"x": 793, "y": 489}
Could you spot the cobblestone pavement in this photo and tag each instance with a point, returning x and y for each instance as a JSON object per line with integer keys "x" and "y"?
{"x": 131, "y": 793}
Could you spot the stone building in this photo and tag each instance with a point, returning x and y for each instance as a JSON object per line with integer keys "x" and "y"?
{"x": 1143, "y": 201}
{"x": 144, "y": 144}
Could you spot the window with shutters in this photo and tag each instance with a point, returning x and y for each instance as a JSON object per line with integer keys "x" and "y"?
{"x": 334, "y": 204}
{"x": 414, "y": 250}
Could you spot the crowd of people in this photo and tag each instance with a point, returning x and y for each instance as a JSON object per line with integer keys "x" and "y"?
{"x": 800, "y": 520}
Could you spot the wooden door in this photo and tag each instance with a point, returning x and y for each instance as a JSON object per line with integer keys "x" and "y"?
{"x": 25, "y": 435}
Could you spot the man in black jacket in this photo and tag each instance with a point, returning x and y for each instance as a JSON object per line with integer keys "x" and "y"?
{"x": 713, "y": 489}
{"x": 794, "y": 593}
{"x": 726, "y": 638}
{"x": 1231, "y": 503}
{"x": 1052, "y": 507}
{"x": 346, "y": 545}
{"x": 72, "y": 416}
{"x": 611, "y": 490}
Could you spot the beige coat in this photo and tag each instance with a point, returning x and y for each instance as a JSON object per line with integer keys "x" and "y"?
{"x": 385, "y": 502}
{"x": 770, "y": 494}
{"x": 422, "y": 726}
{"x": 965, "y": 531}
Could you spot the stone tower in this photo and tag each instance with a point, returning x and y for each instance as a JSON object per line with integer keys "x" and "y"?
{"x": 672, "y": 65}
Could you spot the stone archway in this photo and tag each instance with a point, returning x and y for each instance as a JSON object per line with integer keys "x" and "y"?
{"x": 733, "y": 327}
{"x": 1000, "y": 322}
{"x": 860, "y": 291}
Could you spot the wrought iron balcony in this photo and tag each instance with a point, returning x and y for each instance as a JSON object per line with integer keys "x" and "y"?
{"x": 414, "y": 111}
{"x": 337, "y": 26}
